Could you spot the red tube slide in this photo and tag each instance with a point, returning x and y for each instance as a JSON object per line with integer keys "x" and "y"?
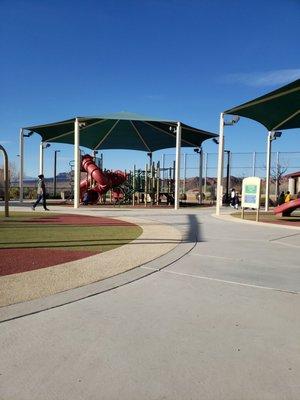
{"x": 286, "y": 209}
{"x": 105, "y": 180}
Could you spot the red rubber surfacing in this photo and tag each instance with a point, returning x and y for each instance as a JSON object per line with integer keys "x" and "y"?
{"x": 13, "y": 261}
{"x": 18, "y": 260}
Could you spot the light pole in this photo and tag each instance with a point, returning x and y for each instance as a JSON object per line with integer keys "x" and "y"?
{"x": 223, "y": 123}
{"x": 21, "y": 154}
{"x": 54, "y": 173}
{"x": 227, "y": 172}
{"x": 177, "y": 165}
{"x": 227, "y": 175}
{"x": 272, "y": 135}
{"x": 205, "y": 172}
{"x": 43, "y": 146}
{"x": 200, "y": 152}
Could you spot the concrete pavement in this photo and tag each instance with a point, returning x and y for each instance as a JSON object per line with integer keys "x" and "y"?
{"x": 220, "y": 321}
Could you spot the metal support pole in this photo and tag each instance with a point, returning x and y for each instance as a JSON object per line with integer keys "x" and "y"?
{"x": 41, "y": 169}
{"x": 157, "y": 182}
{"x": 163, "y": 157}
{"x": 200, "y": 174}
{"x": 268, "y": 171}
{"x": 220, "y": 165}
{"x": 184, "y": 172}
{"x": 146, "y": 185}
{"x": 133, "y": 185}
{"x": 54, "y": 172}
{"x": 254, "y": 163}
{"x": 76, "y": 163}
{"x": 6, "y": 178}
{"x": 205, "y": 172}
{"x": 163, "y": 161}
{"x": 227, "y": 175}
{"x": 21, "y": 155}
{"x": 230, "y": 167}
{"x": 277, "y": 175}
{"x": 177, "y": 165}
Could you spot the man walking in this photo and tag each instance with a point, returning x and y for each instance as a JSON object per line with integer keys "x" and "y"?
{"x": 41, "y": 193}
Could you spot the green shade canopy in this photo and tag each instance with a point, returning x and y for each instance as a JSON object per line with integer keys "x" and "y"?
{"x": 122, "y": 131}
{"x": 276, "y": 110}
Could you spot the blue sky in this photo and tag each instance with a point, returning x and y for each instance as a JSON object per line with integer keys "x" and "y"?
{"x": 178, "y": 59}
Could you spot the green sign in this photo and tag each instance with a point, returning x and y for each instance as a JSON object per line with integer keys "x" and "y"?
{"x": 250, "y": 189}
{"x": 251, "y": 192}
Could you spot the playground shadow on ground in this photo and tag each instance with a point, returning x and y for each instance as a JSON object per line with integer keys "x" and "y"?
{"x": 193, "y": 233}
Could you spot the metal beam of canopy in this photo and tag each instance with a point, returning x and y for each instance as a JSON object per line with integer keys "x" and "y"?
{"x": 277, "y": 110}
{"x": 122, "y": 131}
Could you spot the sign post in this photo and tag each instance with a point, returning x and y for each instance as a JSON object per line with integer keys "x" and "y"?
{"x": 251, "y": 194}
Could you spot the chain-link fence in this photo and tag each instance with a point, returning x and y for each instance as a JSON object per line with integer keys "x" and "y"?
{"x": 236, "y": 166}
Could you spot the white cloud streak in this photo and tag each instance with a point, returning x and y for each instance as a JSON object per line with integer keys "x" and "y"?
{"x": 262, "y": 79}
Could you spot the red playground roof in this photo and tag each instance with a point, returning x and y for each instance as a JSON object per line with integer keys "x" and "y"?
{"x": 293, "y": 175}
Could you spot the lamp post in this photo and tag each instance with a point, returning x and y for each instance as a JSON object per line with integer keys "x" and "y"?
{"x": 227, "y": 175}
{"x": 223, "y": 123}
{"x": 227, "y": 172}
{"x": 272, "y": 135}
{"x": 21, "y": 154}
{"x": 54, "y": 172}
{"x": 177, "y": 165}
{"x": 200, "y": 152}
{"x": 43, "y": 146}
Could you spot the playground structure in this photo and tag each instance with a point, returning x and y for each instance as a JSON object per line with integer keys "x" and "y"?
{"x": 135, "y": 187}
{"x": 287, "y": 208}
{"x": 99, "y": 182}
{"x": 154, "y": 185}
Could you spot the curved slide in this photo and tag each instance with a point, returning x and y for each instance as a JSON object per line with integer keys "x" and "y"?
{"x": 105, "y": 180}
{"x": 287, "y": 208}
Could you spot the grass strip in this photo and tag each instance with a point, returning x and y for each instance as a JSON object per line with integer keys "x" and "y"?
{"x": 67, "y": 237}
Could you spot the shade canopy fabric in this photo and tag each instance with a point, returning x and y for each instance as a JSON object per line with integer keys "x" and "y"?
{"x": 276, "y": 110}
{"x": 122, "y": 131}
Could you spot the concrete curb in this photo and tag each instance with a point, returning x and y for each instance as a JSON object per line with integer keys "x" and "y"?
{"x": 229, "y": 218}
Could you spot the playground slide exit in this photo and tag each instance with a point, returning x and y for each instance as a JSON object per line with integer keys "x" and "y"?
{"x": 287, "y": 208}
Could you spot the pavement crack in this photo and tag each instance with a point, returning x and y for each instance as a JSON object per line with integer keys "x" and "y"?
{"x": 284, "y": 237}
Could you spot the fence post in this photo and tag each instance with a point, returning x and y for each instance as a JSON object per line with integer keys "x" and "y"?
{"x": 277, "y": 176}
{"x": 184, "y": 172}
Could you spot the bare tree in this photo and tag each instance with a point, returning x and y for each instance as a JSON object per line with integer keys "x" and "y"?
{"x": 277, "y": 174}
{"x": 12, "y": 172}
